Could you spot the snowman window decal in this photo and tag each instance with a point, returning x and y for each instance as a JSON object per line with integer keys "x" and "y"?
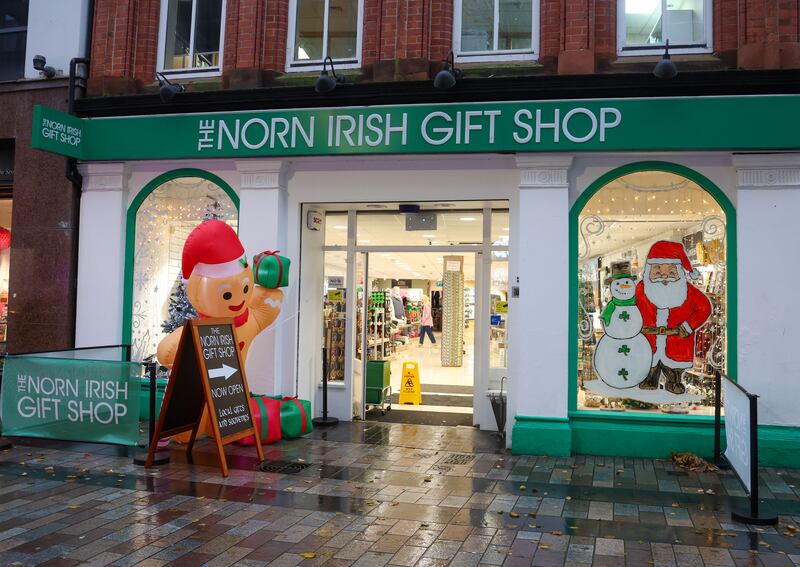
{"x": 649, "y": 328}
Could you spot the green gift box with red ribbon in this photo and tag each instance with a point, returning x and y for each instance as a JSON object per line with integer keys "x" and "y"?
{"x": 271, "y": 270}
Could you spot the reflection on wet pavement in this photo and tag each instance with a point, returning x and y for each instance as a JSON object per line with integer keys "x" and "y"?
{"x": 380, "y": 494}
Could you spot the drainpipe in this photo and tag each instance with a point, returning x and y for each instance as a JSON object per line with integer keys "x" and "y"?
{"x": 72, "y": 174}
{"x": 75, "y": 82}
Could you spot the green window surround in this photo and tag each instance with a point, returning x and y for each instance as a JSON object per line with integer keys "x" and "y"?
{"x": 130, "y": 231}
{"x": 730, "y": 240}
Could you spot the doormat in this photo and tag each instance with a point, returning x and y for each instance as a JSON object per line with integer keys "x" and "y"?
{"x": 397, "y": 415}
{"x": 443, "y": 400}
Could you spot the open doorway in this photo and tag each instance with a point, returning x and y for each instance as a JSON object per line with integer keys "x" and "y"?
{"x": 426, "y": 288}
{"x": 421, "y": 316}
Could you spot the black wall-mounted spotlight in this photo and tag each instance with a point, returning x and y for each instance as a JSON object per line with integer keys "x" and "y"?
{"x": 448, "y": 76}
{"x": 167, "y": 89}
{"x": 665, "y": 69}
{"x": 40, "y": 64}
{"x": 325, "y": 83}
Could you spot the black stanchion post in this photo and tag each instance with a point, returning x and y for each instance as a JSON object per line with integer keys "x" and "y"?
{"x": 717, "y": 417}
{"x": 753, "y": 455}
{"x": 325, "y": 420}
{"x": 151, "y": 426}
{"x": 160, "y": 457}
{"x": 719, "y": 460}
{"x": 754, "y": 517}
{"x": 5, "y": 442}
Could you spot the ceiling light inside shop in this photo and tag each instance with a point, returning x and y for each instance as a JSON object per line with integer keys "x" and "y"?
{"x": 467, "y": 218}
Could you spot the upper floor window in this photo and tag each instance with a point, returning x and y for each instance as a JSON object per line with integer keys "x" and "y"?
{"x": 324, "y": 28}
{"x": 646, "y": 25}
{"x": 492, "y": 29}
{"x": 13, "y": 34}
{"x": 191, "y": 36}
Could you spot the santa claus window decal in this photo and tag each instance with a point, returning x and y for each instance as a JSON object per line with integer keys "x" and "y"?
{"x": 652, "y": 299}
{"x": 165, "y": 218}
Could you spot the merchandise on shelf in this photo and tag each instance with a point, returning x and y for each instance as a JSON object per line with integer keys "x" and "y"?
{"x": 334, "y": 313}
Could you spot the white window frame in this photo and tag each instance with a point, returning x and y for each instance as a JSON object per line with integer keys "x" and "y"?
{"x": 499, "y": 55}
{"x": 632, "y": 51}
{"x": 300, "y": 66}
{"x": 192, "y": 72}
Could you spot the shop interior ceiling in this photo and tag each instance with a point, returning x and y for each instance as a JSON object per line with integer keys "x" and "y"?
{"x": 461, "y": 225}
{"x": 406, "y": 265}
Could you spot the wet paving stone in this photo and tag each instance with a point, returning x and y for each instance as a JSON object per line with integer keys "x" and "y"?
{"x": 381, "y": 494}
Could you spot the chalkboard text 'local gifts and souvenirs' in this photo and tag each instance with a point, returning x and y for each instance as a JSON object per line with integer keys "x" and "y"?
{"x": 654, "y": 124}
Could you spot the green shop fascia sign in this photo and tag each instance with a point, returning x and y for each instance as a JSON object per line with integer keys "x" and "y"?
{"x": 652, "y": 124}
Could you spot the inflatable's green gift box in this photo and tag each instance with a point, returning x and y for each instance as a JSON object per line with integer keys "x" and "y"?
{"x": 271, "y": 270}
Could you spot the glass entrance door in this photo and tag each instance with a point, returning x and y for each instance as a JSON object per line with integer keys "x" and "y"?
{"x": 384, "y": 273}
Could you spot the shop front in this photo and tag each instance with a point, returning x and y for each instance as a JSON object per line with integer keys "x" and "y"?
{"x": 619, "y": 252}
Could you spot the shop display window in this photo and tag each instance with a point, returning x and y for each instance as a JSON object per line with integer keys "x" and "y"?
{"x": 163, "y": 222}
{"x": 191, "y": 35}
{"x": 652, "y": 295}
{"x": 648, "y": 24}
{"x": 494, "y": 27}
{"x": 322, "y": 29}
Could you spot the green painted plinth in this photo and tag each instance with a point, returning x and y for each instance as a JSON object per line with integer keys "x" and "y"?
{"x": 778, "y": 446}
{"x": 642, "y": 435}
{"x": 635, "y": 436}
{"x": 541, "y": 436}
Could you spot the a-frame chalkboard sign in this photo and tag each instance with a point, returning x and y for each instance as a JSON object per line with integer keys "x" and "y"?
{"x": 207, "y": 374}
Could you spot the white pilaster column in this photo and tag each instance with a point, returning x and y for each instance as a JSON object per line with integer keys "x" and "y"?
{"x": 768, "y": 202}
{"x": 539, "y": 316}
{"x": 262, "y": 226}
{"x": 101, "y": 254}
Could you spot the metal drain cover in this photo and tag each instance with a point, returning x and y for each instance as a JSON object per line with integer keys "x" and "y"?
{"x": 282, "y": 467}
{"x": 458, "y": 460}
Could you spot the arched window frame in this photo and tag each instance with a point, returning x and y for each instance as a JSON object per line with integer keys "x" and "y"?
{"x": 130, "y": 231}
{"x": 730, "y": 254}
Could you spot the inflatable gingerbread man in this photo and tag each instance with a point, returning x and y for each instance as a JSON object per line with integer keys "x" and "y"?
{"x": 219, "y": 283}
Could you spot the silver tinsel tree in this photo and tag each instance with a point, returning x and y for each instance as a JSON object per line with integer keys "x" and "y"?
{"x": 180, "y": 309}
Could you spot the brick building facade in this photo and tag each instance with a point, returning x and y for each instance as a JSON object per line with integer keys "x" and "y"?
{"x": 407, "y": 40}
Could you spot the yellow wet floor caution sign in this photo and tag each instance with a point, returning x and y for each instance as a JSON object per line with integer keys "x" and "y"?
{"x": 410, "y": 389}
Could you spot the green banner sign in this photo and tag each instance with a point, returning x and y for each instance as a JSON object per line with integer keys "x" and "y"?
{"x": 74, "y": 400}
{"x": 663, "y": 124}
{"x": 57, "y": 132}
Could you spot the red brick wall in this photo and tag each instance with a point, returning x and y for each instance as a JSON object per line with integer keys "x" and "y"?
{"x": 440, "y": 26}
{"x": 750, "y": 33}
{"x": 255, "y": 34}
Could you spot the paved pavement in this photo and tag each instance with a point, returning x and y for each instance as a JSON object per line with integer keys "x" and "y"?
{"x": 374, "y": 494}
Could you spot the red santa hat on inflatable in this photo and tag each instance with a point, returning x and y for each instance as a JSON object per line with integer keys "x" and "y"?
{"x": 213, "y": 250}
{"x": 665, "y": 252}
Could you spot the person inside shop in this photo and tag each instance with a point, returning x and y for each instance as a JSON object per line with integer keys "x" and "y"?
{"x": 426, "y": 322}
{"x": 398, "y": 311}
